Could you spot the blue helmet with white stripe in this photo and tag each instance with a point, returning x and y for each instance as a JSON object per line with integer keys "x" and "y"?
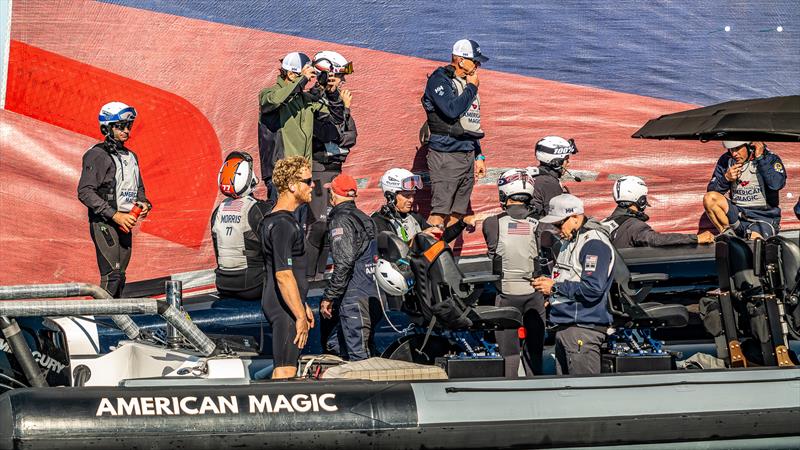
{"x": 115, "y": 112}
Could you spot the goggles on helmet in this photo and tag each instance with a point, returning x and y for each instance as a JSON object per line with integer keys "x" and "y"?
{"x": 411, "y": 183}
{"x": 519, "y": 175}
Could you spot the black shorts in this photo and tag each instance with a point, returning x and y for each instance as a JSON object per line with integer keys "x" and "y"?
{"x": 743, "y": 221}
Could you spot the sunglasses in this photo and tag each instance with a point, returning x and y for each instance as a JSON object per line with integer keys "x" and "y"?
{"x": 122, "y": 125}
{"x": 309, "y": 181}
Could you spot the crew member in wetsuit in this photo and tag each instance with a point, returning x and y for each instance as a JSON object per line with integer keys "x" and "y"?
{"x": 579, "y": 288}
{"x": 334, "y": 136}
{"x": 513, "y": 249}
{"x": 628, "y": 221}
{"x": 752, "y": 176}
{"x": 351, "y": 292}
{"x": 399, "y": 188}
{"x": 235, "y": 230}
{"x": 553, "y": 153}
{"x": 285, "y": 287}
{"x": 110, "y": 185}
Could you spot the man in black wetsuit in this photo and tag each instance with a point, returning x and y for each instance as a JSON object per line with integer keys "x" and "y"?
{"x": 351, "y": 292}
{"x": 235, "y": 227}
{"x": 111, "y": 186}
{"x": 511, "y": 238}
{"x": 285, "y": 287}
{"x": 628, "y": 221}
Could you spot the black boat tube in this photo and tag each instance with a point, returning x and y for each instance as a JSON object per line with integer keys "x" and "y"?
{"x": 750, "y": 408}
{"x": 22, "y": 352}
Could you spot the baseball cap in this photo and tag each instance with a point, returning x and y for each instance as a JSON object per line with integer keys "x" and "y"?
{"x": 294, "y": 62}
{"x": 343, "y": 185}
{"x": 733, "y": 144}
{"x": 561, "y": 207}
{"x": 469, "y": 49}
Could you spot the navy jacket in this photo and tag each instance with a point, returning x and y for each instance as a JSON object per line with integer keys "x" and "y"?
{"x": 770, "y": 168}
{"x": 441, "y": 98}
{"x": 354, "y": 252}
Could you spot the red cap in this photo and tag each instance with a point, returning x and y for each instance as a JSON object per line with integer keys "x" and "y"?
{"x": 343, "y": 185}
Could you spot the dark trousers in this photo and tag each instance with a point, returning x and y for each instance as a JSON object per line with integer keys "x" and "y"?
{"x": 352, "y": 338}
{"x": 317, "y": 246}
{"x": 113, "y": 250}
{"x": 578, "y": 350}
{"x": 533, "y": 320}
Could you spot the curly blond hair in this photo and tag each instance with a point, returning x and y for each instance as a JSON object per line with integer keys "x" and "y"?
{"x": 287, "y": 172}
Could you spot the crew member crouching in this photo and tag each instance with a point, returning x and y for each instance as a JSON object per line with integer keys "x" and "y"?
{"x": 513, "y": 249}
{"x": 235, "y": 230}
{"x": 400, "y": 187}
{"x": 579, "y": 288}
{"x": 752, "y": 176}
{"x": 553, "y": 153}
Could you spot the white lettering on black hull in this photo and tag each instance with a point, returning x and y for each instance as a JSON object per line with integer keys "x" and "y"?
{"x": 176, "y": 406}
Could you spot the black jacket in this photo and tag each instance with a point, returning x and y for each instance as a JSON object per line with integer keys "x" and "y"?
{"x": 546, "y": 185}
{"x": 336, "y": 126}
{"x": 383, "y": 222}
{"x": 351, "y": 233}
{"x": 632, "y": 231}
{"x": 97, "y": 186}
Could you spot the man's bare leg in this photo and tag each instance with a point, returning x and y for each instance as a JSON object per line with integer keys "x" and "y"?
{"x": 453, "y": 219}
{"x": 716, "y": 207}
{"x": 437, "y": 219}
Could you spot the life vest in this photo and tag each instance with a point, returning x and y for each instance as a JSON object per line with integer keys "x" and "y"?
{"x": 238, "y": 245}
{"x": 126, "y": 175}
{"x": 569, "y": 268}
{"x": 748, "y": 190}
{"x": 468, "y": 123}
{"x": 518, "y": 250}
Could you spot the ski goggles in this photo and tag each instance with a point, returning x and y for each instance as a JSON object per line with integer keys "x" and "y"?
{"x": 343, "y": 70}
{"x": 411, "y": 183}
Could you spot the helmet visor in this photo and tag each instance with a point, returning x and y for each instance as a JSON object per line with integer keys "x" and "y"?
{"x": 411, "y": 183}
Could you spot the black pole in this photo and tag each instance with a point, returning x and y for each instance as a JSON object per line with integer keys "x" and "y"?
{"x": 20, "y": 348}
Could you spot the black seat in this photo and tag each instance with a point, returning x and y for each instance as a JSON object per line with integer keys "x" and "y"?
{"x": 627, "y": 300}
{"x": 789, "y": 260}
{"x": 442, "y": 292}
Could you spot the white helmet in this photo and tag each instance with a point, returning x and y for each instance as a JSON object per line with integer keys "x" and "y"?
{"x": 630, "y": 190}
{"x": 393, "y": 278}
{"x": 396, "y": 180}
{"x": 236, "y": 177}
{"x": 553, "y": 150}
{"x": 115, "y": 112}
{"x": 333, "y": 62}
{"x": 516, "y": 184}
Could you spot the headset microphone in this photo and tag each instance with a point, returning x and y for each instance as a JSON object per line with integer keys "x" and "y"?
{"x": 575, "y": 177}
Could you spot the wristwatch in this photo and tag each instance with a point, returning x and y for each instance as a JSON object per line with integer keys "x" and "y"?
{"x": 480, "y": 157}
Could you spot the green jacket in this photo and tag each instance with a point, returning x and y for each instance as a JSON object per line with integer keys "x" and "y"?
{"x": 286, "y": 125}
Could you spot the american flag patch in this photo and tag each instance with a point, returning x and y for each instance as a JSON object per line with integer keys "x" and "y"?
{"x": 336, "y": 232}
{"x": 235, "y": 205}
{"x": 522, "y": 228}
